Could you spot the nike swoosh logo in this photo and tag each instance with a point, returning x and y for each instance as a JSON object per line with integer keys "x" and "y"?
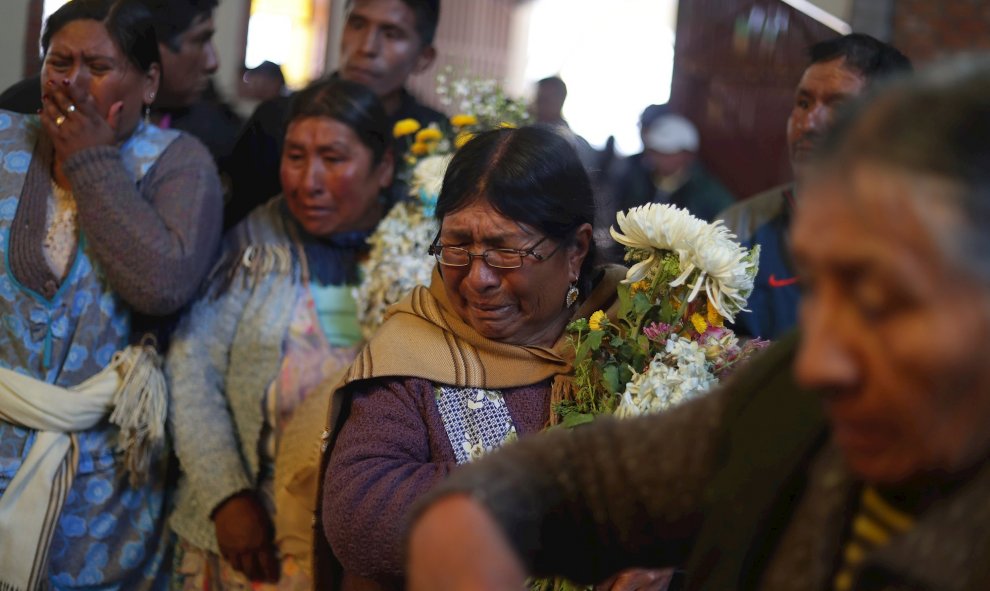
{"x": 774, "y": 282}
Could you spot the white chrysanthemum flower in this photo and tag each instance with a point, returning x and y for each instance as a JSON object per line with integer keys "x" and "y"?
{"x": 427, "y": 177}
{"x": 397, "y": 262}
{"x": 678, "y": 374}
{"x": 710, "y": 258}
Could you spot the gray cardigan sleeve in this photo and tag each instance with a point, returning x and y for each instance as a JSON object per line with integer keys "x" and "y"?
{"x": 206, "y": 441}
{"x": 631, "y": 491}
{"x": 155, "y": 242}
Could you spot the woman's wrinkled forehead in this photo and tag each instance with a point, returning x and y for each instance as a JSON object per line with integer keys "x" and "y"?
{"x": 871, "y": 205}
{"x": 477, "y": 219}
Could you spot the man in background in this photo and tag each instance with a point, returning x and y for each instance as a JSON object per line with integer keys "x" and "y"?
{"x": 669, "y": 172}
{"x": 548, "y": 109}
{"x": 265, "y": 82}
{"x": 840, "y": 69}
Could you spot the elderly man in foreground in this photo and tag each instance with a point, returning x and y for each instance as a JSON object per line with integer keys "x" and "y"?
{"x": 852, "y": 456}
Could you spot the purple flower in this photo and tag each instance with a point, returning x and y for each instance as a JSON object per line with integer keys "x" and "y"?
{"x": 657, "y": 331}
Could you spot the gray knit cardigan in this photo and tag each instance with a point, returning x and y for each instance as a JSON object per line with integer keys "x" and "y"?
{"x": 225, "y": 353}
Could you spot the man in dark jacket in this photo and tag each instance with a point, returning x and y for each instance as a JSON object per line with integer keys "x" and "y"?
{"x": 852, "y": 457}
{"x": 384, "y": 42}
{"x": 841, "y": 68}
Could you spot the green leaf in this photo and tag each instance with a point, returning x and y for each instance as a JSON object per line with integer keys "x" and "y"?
{"x": 611, "y": 377}
{"x": 641, "y": 304}
{"x": 594, "y": 340}
{"x": 624, "y": 376}
{"x": 575, "y": 419}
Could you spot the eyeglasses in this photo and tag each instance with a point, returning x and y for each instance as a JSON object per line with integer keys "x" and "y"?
{"x": 499, "y": 258}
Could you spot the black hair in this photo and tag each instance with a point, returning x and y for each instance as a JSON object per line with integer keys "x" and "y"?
{"x": 427, "y": 18}
{"x": 556, "y": 83}
{"x": 269, "y": 69}
{"x": 127, "y": 22}
{"x": 172, "y": 18}
{"x": 531, "y": 175}
{"x": 936, "y": 123}
{"x": 872, "y": 58}
{"x": 96, "y": 10}
{"x": 651, "y": 113}
{"x": 350, "y": 103}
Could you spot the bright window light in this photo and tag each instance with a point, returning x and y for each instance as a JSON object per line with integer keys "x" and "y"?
{"x": 616, "y": 58}
{"x": 291, "y": 33}
{"x": 51, "y": 6}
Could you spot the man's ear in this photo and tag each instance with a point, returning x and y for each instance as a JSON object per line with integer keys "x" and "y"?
{"x": 425, "y": 59}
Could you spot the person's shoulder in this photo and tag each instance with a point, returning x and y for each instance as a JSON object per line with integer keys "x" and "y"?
{"x": 185, "y": 152}
{"x": 412, "y": 108}
{"x": 264, "y": 225}
{"x": 745, "y": 217}
{"x": 22, "y": 97}
{"x": 271, "y": 114}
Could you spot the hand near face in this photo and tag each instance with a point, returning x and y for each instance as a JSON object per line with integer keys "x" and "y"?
{"x": 73, "y": 122}
{"x": 244, "y": 534}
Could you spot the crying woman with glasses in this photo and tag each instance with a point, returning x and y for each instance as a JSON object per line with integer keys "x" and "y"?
{"x": 474, "y": 360}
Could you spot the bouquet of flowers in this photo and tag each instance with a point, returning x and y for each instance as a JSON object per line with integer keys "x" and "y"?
{"x": 668, "y": 341}
{"x": 397, "y": 261}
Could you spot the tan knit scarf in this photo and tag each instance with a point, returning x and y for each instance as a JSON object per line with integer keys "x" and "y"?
{"x": 423, "y": 337}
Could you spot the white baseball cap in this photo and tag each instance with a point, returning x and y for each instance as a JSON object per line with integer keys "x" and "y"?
{"x": 670, "y": 134}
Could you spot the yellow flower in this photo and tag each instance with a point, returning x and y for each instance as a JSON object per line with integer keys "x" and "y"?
{"x": 462, "y": 138}
{"x": 714, "y": 318}
{"x": 405, "y": 127}
{"x": 420, "y": 148}
{"x": 463, "y": 120}
{"x": 639, "y": 286}
{"x": 699, "y": 323}
{"x": 428, "y": 134}
{"x": 598, "y": 321}
{"x": 507, "y": 125}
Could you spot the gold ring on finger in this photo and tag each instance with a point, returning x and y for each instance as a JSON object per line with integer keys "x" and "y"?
{"x": 59, "y": 120}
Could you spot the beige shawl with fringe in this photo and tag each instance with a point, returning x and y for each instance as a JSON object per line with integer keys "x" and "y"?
{"x": 422, "y": 337}
{"x": 131, "y": 390}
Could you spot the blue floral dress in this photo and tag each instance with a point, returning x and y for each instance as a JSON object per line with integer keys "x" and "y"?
{"x": 109, "y": 534}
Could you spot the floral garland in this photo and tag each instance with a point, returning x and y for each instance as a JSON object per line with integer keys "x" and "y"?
{"x": 398, "y": 260}
{"x": 668, "y": 341}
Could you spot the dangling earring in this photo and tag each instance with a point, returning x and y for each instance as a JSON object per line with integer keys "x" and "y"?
{"x": 572, "y": 294}
{"x": 147, "y": 107}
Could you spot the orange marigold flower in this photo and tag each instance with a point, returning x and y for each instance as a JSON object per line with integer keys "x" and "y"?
{"x": 419, "y": 149}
